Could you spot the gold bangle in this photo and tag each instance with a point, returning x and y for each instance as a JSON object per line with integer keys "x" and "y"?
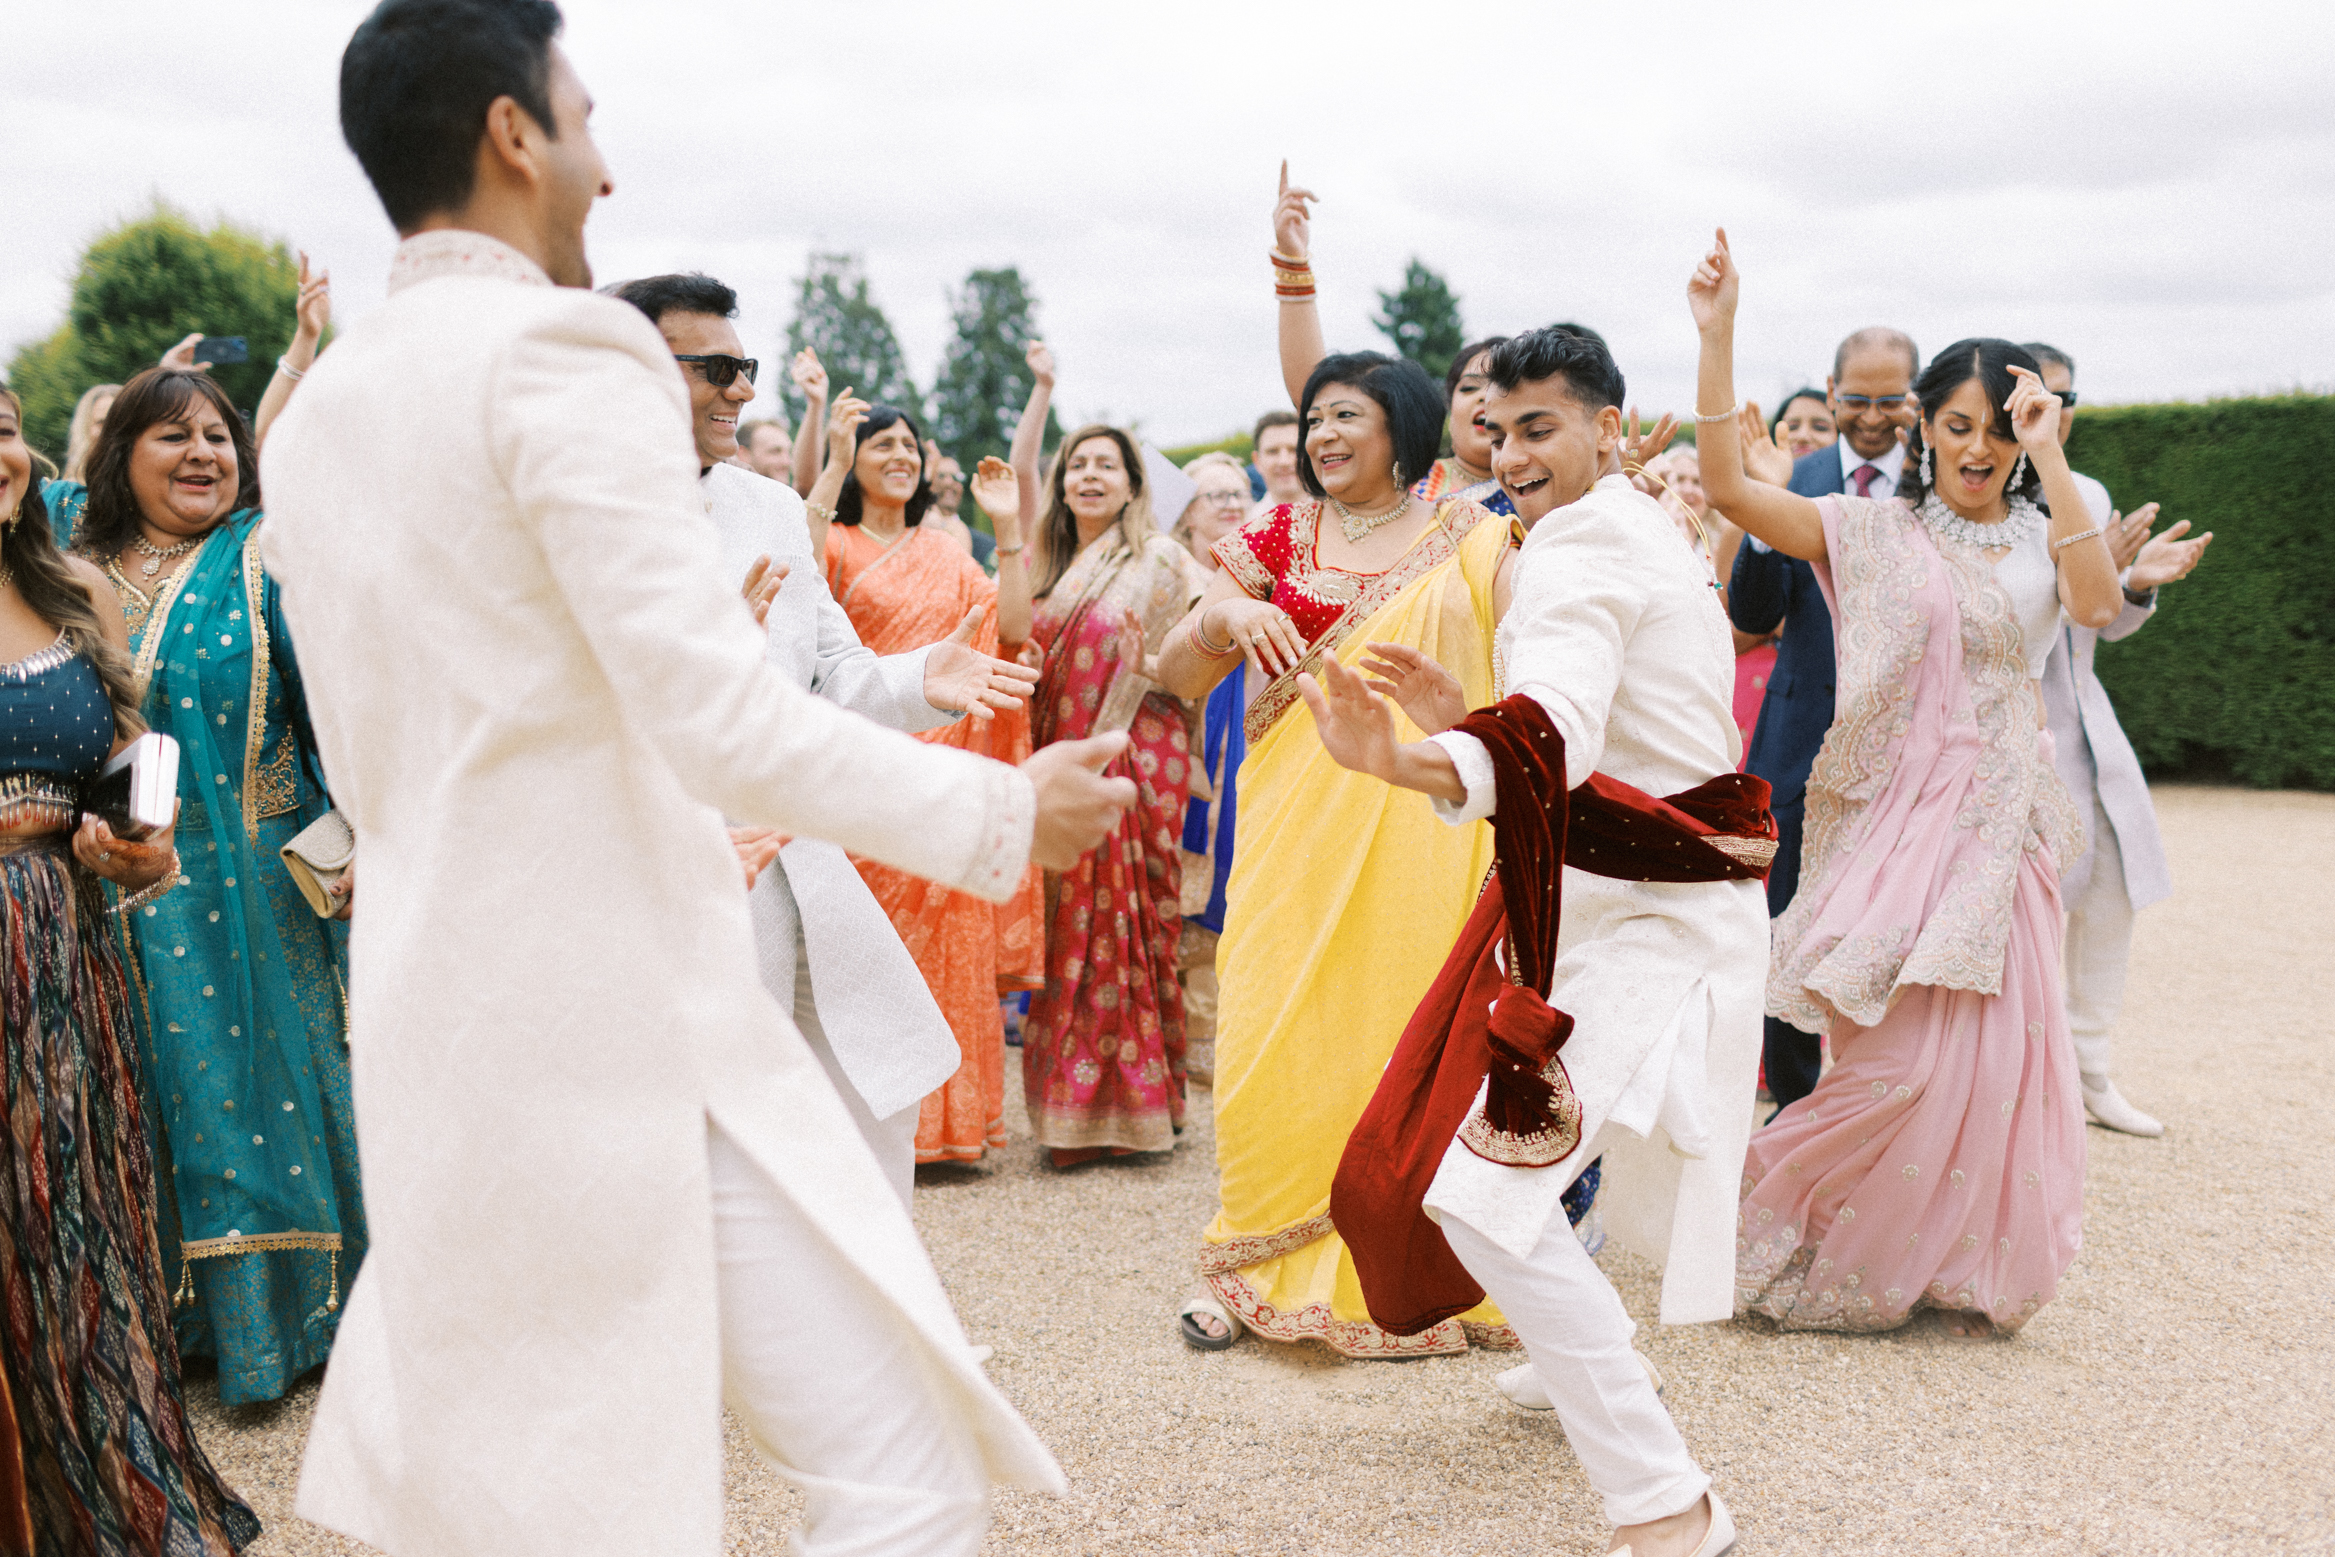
{"x": 1012, "y": 551}
{"x": 820, "y": 512}
{"x": 1206, "y": 650}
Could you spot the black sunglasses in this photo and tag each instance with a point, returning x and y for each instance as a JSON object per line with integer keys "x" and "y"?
{"x": 721, "y": 371}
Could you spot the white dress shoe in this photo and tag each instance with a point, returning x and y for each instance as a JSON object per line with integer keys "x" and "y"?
{"x": 1522, "y": 1384}
{"x": 2106, "y": 1104}
{"x": 1717, "y": 1541}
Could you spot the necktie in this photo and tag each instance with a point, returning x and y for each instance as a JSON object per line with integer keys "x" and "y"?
{"x": 1864, "y": 476}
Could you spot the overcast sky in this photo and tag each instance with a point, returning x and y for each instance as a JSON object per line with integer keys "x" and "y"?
{"x": 2148, "y": 186}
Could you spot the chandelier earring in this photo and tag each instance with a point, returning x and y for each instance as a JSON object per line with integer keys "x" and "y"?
{"x": 2018, "y": 473}
{"x": 1925, "y": 466}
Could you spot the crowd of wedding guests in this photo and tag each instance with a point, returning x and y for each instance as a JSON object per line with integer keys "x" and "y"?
{"x": 183, "y": 1180}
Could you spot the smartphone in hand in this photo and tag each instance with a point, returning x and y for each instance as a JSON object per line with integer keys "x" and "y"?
{"x": 226, "y": 350}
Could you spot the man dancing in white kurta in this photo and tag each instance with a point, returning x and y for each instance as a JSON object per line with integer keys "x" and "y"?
{"x": 829, "y": 952}
{"x": 1616, "y": 633}
{"x": 608, "y": 1183}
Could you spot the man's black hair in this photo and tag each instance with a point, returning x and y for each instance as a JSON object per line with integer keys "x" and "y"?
{"x": 2050, "y": 354}
{"x": 694, "y": 293}
{"x": 416, "y": 81}
{"x": 1572, "y": 352}
{"x": 1414, "y": 412}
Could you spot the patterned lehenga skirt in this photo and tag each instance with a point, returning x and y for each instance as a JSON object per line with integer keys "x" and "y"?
{"x": 96, "y": 1454}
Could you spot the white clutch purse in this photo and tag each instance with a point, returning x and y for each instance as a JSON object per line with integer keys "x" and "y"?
{"x": 318, "y": 856}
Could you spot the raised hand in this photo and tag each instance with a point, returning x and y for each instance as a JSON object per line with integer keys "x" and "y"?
{"x": 1292, "y": 220}
{"x": 843, "y": 428}
{"x": 2128, "y": 533}
{"x": 1640, "y": 449}
{"x": 756, "y": 847}
{"x": 312, "y": 312}
{"x": 1426, "y": 692}
{"x": 1131, "y": 642}
{"x": 1040, "y": 358}
{"x": 961, "y": 679}
{"x": 2167, "y": 557}
{"x": 2034, "y": 413}
{"x": 1762, "y": 459}
{"x": 999, "y": 492}
{"x": 182, "y": 356}
{"x": 809, "y": 376}
{"x": 761, "y": 587}
{"x": 1712, "y": 291}
{"x": 1077, "y": 806}
{"x": 1357, "y": 725}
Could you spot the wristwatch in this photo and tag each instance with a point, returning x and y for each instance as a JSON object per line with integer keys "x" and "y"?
{"x": 2147, "y": 598}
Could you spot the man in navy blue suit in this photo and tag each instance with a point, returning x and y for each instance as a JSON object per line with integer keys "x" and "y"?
{"x": 1870, "y": 393}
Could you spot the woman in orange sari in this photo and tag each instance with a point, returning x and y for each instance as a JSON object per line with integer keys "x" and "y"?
{"x": 904, "y": 587}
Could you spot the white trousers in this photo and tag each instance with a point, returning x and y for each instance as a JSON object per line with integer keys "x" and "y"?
{"x": 893, "y": 1138}
{"x": 2099, "y": 951}
{"x": 830, "y": 1385}
{"x": 1578, "y": 1334}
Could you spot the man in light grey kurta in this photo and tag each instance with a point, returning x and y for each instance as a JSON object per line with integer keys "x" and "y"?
{"x": 2123, "y": 867}
{"x": 828, "y": 951}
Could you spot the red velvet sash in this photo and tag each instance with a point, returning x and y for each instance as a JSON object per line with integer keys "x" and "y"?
{"x": 1477, "y": 1022}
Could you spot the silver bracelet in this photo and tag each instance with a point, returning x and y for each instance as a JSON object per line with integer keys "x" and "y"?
{"x": 2080, "y": 535}
{"x": 1727, "y": 415}
{"x": 284, "y": 366}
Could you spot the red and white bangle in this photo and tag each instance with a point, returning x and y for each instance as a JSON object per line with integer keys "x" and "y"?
{"x": 1292, "y": 278}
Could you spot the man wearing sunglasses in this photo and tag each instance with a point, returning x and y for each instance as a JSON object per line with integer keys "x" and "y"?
{"x": 819, "y": 931}
{"x": 1870, "y": 394}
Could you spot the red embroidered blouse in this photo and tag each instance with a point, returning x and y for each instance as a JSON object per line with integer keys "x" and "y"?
{"x": 1274, "y": 557}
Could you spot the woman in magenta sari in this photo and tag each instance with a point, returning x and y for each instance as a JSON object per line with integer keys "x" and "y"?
{"x": 1940, "y": 1162}
{"x": 1103, "y": 1050}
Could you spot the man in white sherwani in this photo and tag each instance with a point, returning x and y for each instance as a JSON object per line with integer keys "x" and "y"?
{"x": 829, "y": 952}
{"x": 2123, "y": 868}
{"x": 1615, "y": 631}
{"x": 609, "y": 1185}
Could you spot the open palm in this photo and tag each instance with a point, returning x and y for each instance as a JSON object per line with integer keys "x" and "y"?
{"x": 1357, "y": 725}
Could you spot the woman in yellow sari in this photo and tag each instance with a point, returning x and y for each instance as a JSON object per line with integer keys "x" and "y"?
{"x": 1343, "y": 901}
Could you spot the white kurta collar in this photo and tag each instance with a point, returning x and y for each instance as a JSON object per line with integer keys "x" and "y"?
{"x": 456, "y": 251}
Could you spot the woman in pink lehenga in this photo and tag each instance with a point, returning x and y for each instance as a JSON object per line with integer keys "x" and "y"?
{"x": 1940, "y": 1162}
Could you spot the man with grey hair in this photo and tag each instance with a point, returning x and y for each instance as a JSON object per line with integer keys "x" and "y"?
{"x": 1870, "y": 393}
{"x": 2122, "y": 869}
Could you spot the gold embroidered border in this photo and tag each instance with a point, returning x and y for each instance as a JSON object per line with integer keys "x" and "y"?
{"x": 1536, "y": 1150}
{"x": 256, "y": 720}
{"x": 1346, "y": 1337}
{"x": 256, "y": 1243}
{"x": 157, "y": 624}
{"x": 1453, "y": 522}
{"x": 1758, "y": 853}
{"x": 1256, "y": 1248}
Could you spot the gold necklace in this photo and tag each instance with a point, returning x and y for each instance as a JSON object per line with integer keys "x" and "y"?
{"x": 1358, "y": 527}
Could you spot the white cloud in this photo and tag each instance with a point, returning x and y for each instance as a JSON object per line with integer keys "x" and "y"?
{"x": 2146, "y": 186}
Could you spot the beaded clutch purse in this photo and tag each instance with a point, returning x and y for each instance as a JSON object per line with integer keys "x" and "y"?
{"x": 318, "y": 856}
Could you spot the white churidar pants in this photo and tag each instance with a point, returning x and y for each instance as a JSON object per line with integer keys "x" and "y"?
{"x": 2099, "y": 951}
{"x": 892, "y": 1139}
{"x": 830, "y": 1388}
{"x": 1578, "y": 1335}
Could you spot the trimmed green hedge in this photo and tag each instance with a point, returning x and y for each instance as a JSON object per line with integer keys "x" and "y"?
{"x": 2235, "y": 676}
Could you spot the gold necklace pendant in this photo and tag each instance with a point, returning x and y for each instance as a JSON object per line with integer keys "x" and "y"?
{"x": 1359, "y": 527}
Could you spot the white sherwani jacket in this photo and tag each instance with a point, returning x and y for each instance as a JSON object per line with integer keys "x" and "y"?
{"x": 537, "y": 697}
{"x": 2091, "y": 753}
{"x": 1615, "y": 630}
{"x": 878, "y": 1013}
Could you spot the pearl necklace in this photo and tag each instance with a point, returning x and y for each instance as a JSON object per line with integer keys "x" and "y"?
{"x": 1358, "y": 527}
{"x": 2023, "y": 522}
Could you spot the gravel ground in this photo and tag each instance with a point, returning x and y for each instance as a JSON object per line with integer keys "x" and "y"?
{"x": 2176, "y": 1398}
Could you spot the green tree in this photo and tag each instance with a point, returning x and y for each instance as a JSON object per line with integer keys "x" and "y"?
{"x": 139, "y": 290}
{"x": 1422, "y": 319}
{"x": 983, "y": 382}
{"x": 836, "y": 318}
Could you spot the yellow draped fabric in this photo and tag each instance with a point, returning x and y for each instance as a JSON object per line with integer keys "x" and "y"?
{"x": 1346, "y": 896}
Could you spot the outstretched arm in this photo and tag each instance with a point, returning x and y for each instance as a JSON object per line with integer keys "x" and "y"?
{"x": 843, "y": 440}
{"x": 1785, "y": 520}
{"x": 1301, "y": 321}
{"x": 995, "y": 488}
{"x": 311, "y": 316}
{"x": 1029, "y": 437}
{"x": 811, "y": 379}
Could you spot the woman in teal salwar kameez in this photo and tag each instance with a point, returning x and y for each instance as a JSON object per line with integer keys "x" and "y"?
{"x": 239, "y": 984}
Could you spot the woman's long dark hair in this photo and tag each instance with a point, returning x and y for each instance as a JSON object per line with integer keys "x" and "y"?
{"x": 847, "y": 506}
{"x": 1058, "y": 527}
{"x": 156, "y": 395}
{"x": 60, "y": 597}
{"x": 1988, "y": 359}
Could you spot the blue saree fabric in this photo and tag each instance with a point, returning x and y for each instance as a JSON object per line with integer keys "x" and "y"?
{"x": 240, "y": 986}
